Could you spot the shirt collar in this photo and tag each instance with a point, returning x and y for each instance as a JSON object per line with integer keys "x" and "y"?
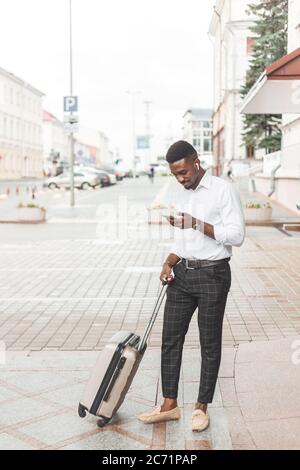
{"x": 205, "y": 181}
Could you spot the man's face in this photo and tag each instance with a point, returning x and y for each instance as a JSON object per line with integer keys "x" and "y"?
{"x": 186, "y": 172}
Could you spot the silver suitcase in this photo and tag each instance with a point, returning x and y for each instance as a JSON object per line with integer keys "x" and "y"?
{"x": 115, "y": 369}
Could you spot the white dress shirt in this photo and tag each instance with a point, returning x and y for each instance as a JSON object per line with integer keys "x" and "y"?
{"x": 216, "y": 202}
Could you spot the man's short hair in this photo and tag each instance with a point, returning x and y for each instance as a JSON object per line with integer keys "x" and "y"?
{"x": 180, "y": 150}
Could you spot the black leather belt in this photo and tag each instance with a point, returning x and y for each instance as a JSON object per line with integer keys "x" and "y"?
{"x": 202, "y": 263}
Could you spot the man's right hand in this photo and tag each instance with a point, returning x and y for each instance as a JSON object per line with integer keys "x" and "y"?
{"x": 168, "y": 265}
{"x": 166, "y": 272}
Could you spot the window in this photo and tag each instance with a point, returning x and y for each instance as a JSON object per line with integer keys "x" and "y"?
{"x": 207, "y": 145}
{"x": 11, "y": 129}
{"x": 196, "y": 124}
{"x": 12, "y": 163}
{"x": 4, "y": 127}
{"x": 206, "y": 124}
{"x": 23, "y": 136}
{"x": 207, "y": 133}
{"x": 197, "y": 143}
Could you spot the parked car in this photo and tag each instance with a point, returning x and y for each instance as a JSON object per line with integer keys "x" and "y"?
{"x": 106, "y": 179}
{"x": 82, "y": 180}
{"x": 128, "y": 174}
{"x": 119, "y": 174}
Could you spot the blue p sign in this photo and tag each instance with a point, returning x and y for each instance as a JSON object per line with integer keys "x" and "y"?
{"x": 70, "y": 104}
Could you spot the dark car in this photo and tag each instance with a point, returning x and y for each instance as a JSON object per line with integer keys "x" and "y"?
{"x": 118, "y": 174}
{"x": 106, "y": 179}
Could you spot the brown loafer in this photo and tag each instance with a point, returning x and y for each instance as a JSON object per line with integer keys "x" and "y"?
{"x": 200, "y": 421}
{"x": 157, "y": 416}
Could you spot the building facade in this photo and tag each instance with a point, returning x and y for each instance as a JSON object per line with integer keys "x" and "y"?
{"x": 92, "y": 146}
{"x": 197, "y": 130}
{"x": 21, "y": 128}
{"x": 56, "y": 147}
{"x": 232, "y": 45}
{"x": 290, "y": 162}
{"x": 281, "y": 171}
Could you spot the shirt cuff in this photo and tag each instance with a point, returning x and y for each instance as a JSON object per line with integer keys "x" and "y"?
{"x": 220, "y": 234}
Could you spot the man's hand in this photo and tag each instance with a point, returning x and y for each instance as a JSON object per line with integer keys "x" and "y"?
{"x": 182, "y": 220}
{"x": 166, "y": 272}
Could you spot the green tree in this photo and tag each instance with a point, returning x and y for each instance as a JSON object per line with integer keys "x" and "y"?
{"x": 270, "y": 43}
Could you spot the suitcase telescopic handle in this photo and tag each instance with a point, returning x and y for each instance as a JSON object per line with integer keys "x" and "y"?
{"x": 156, "y": 309}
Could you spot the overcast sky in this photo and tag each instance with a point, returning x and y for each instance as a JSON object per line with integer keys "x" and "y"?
{"x": 160, "y": 47}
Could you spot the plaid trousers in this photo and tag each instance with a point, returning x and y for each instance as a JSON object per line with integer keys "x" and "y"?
{"x": 206, "y": 288}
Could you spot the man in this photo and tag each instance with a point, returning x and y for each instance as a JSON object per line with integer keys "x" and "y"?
{"x": 209, "y": 223}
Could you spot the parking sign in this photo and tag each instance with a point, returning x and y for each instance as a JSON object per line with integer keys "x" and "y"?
{"x": 70, "y": 104}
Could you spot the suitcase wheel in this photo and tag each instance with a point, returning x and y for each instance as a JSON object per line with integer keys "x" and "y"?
{"x": 82, "y": 410}
{"x": 102, "y": 421}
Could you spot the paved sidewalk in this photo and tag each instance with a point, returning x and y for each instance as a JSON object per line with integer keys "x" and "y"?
{"x": 40, "y": 393}
{"x": 256, "y": 404}
{"x": 72, "y": 295}
{"x": 66, "y": 287}
{"x": 262, "y": 400}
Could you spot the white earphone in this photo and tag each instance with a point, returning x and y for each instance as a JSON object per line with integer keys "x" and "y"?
{"x": 197, "y": 165}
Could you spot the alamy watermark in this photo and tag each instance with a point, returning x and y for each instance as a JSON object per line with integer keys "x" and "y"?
{"x": 296, "y": 354}
{"x": 2, "y": 353}
{"x": 126, "y": 220}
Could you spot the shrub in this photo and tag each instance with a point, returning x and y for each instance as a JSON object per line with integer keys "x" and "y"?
{"x": 30, "y": 205}
{"x": 258, "y": 205}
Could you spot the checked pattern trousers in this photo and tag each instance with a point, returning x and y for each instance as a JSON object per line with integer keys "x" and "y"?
{"x": 206, "y": 289}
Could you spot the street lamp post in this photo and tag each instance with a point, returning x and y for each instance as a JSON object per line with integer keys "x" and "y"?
{"x": 72, "y": 195}
{"x": 133, "y": 94}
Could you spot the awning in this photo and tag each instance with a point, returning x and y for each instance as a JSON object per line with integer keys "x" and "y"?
{"x": 277, "y": 91}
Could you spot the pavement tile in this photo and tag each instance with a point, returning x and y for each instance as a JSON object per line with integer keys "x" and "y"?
{"x": 58, "y": 428}
{"x": 8, "y": 442}
{"x": 23, "y": 409}
{"x": 267, "y": 376}
{"x": 277, "y": 434}
{"x": 198, "y": 445}
{"x": 228, "y": 391}
{"x": 106, "y": 440}
{"x": 32, "y": 383}
{"x": 8, "y": 394}
{"x": 239, "y": 432}
{"x": 272, "y": 404}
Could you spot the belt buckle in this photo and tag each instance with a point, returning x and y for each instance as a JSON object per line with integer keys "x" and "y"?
{"x": 187, "y": 265}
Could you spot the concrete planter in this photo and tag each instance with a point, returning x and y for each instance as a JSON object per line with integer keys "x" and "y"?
{"x": 31, "y": 214}
{"x": 258, "y": 215}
